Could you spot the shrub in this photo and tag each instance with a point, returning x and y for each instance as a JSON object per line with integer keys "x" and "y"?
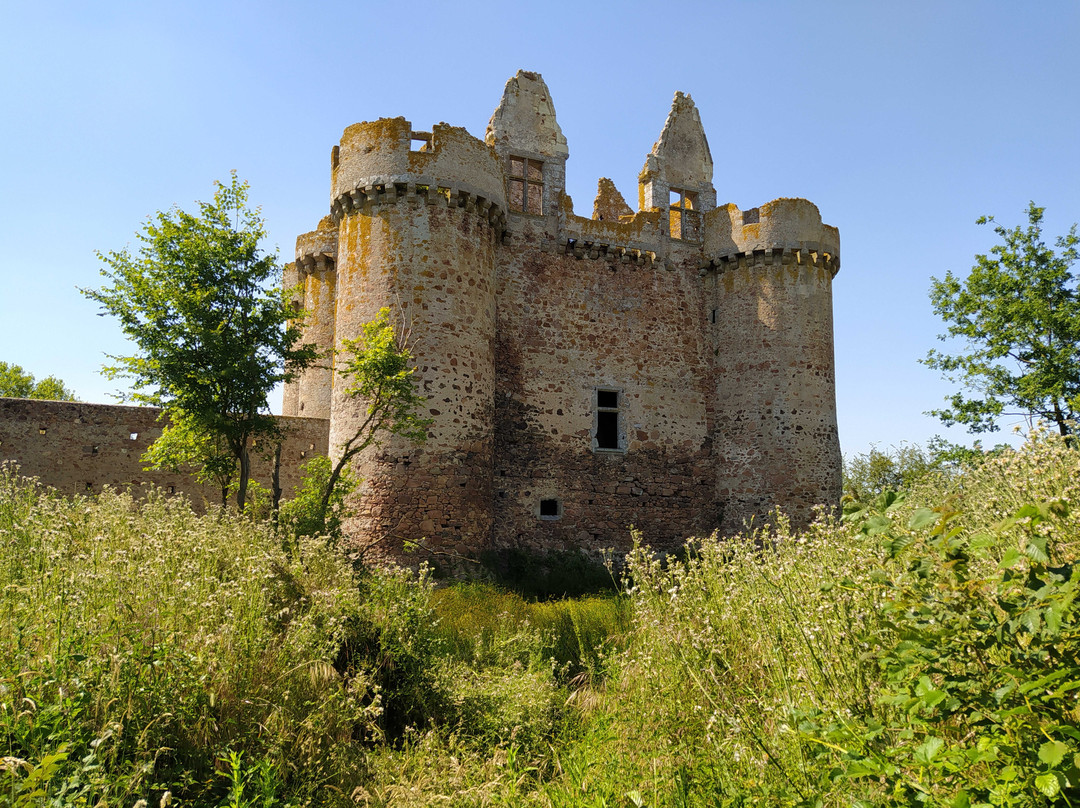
{"x": 977, "y": 646}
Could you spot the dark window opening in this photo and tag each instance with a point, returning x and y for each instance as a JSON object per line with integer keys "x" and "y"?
{"x": 550, "y": 509}
{"x": 607, "y": 399}
{"x": 607, "y": 419}
{"x": 714, "y": 315}
{"x": 607, "y": 430}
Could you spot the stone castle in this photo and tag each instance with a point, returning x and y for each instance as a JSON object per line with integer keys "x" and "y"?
{"x": 670, "y": 368}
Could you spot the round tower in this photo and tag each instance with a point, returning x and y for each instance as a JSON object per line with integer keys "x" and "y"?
{"x": 315, "y": 265}
{"x": 769, "y": 274}
{"x": 419, "y": 215}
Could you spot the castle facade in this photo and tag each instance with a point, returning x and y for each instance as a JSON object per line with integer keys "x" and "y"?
{"x": 670, "y": 368}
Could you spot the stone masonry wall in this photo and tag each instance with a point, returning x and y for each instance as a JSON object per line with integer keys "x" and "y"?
{"x": 569, "y": 324}
{"x": 79, "y": 448}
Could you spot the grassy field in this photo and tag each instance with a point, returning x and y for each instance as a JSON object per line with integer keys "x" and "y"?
{"x": 923, "y": 651}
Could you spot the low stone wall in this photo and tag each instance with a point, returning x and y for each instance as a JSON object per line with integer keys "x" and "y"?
{"x": 78, "y": 448}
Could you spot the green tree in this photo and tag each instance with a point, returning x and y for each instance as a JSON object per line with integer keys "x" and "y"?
{"x": 310, "y": 513}
{"x": 185, "y": 447}
{"x": 378, "y": 370}
{"x": 214, "y": 330}
{"x": 1019, "y": 311}
{"x": 868, "y": 475}
{"x": 17, "y": 383}
{"x": 877, "y": 471}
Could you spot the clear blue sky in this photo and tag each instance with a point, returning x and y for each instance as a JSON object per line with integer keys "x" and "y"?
{"x": 904, "y": 122}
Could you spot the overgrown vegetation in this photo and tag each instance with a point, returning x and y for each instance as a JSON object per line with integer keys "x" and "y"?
{"x": 925, "y": 650}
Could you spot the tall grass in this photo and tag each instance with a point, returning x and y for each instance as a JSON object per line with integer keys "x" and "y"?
{"x": 768, "y": 669}
{"x": 478, "y": 620}
{"x": 149, "y": 644}
{"x": 144, "y": 649}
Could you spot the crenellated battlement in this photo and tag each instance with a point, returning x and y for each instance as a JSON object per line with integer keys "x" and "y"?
{"x": 776, "y": 256}
{"x": 317, "y": 249}
{"x": 790, "y": 227}
{"x": 373, "y": 195}
{"x": 385, "y": 161}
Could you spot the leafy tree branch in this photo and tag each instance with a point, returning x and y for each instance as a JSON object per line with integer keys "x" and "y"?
{"x": 1018, "y": 311}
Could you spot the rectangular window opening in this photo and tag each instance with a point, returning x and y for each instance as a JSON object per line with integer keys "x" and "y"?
{"x": 550, "y": 509}
{"x": 607, "y": 420}
{"x": 607, "y": 399}
{"x": 526, "y": 185}
{"x": 607, "y": 430}
{"x": 420, "y": 141}
{"x": 679, "y": 201}
{"x": 133, "y": 436}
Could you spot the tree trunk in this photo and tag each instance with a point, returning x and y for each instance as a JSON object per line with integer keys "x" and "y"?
{"x": 275, "y": 482}
{"x": 1062, "y": 424}
{"x": 331, "y": 483}
{"x": 245, "y": 472}
{"x": 1059, "y": 419}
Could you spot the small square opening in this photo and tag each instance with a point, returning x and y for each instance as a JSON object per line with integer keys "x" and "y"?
{"x": 133, "y": 436}
{"x": 608, "y": 399}
{"x": 550, "y": 509}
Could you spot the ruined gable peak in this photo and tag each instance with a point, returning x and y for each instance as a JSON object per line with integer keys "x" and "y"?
{"x": 524, "y": 122}
{"x": 609, "y": 205}
{"x": 682, "y": 150}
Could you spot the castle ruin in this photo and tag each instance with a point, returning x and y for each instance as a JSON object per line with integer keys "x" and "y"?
{"x": 670, "y": 368}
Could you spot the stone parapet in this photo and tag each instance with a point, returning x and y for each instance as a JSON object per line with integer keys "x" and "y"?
{"x": 376, "y": 164}
{"x": 773, "y": 256}
{"x": 318, "y": 248}
{"x": 792, "y": 226}
{"x": 430, "y": 192}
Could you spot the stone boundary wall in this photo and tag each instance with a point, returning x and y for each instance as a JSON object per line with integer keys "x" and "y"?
{"x": 78, "y": 448}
